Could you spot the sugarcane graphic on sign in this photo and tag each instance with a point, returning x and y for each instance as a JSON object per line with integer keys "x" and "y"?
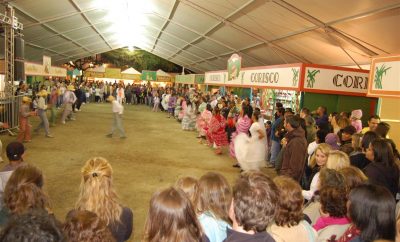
{"x": 311, "y": 77}
{"x": 295, "y": 78}
{"x": 379, "y": 72}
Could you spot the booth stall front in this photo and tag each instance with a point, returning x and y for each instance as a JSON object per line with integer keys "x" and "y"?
{"x": 191, "y": 81}
{"x": 92, "y": 73}
{"x": 337, "y": 88}
{"x": 157, "y": 78}
{"x": 215, "y": 81}
{"x": 38, "y": 74}
{"x": 385, "y": 84}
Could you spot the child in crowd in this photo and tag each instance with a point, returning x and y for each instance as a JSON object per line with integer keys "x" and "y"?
{"x": 24, "y": 134}
{"x": 213, "y": 201}
{"x": 171, "y": 218}
{"x": 289, "y": 220}
{"x": 98, "y": 195}
{"x": 85, "y": 226}
{"x": 189, "y": 185}
{"x": 355, "y": 117}
{"x": 253, "y": 207}
{"x": 156, "y": 103}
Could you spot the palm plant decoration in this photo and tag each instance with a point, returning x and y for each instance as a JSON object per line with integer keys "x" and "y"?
{"x": 379, "y": 72}
{"x": 311, "y": 77}
{"x": 295, "y": 78}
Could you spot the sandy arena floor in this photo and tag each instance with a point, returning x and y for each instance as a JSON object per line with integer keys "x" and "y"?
{"x": 153, "y": 156}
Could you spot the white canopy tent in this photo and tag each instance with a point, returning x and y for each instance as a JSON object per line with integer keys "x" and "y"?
{"x": 202, "y": 34}
{"x": 130, "y": 70}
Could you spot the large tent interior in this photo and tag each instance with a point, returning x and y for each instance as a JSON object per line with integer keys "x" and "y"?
{"x": 202, "y": 34}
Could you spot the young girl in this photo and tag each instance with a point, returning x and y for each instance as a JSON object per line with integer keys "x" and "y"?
{"x": 189, "y": 186}
{"x": 216, "y": 131}
{"x": 317, "y": 162}
{"x": 24, "y": 134}
{"x": 355, "y": 117}
{"x": 189, "y": 117}
{"x": 171, "y": 105}
{"x": 98, "y": 195}
{"x": 156, "y": 102}
{"x": 203, "y": 121}
{"x": 171, "y": 217}
{"x": 213, "y": 202}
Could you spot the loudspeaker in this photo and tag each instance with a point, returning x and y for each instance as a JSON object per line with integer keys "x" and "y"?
{"x": 19, "y": 48}
{"x": 19, "y": 70}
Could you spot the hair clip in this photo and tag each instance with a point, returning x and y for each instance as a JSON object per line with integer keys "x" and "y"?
{"x": 95, "y": 174}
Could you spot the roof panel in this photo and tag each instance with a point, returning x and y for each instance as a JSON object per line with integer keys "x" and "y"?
{"x": 180, "y": 32}
{"x": 332, "y": 10}
{"x": 212, "y": 47}
{"x": 52, "y": 8}
{"x": 51, "y": 41}
{"x": 66, "y": 24}
{"x": 233, "y": 37}
{"x": 80, "y": 33}
{"x": 173, "y": 40}
{"x": 89, "y": 40}
{"x": 200, "y": 53}
{"x": 36, "y": 32}
{"x": 193, "y": 18}
{"x": 222, "y": 7}
{"x": 269, "y": 55}
{"x": 270, "y": 27}
{"x": 190, "y": 56}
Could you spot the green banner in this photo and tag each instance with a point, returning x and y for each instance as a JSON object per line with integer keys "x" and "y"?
{"x": 113, "y": 73}
{"x": 199, "y": 79}
{"x": 184, "y": 79}
{"x": 149, "y": 76}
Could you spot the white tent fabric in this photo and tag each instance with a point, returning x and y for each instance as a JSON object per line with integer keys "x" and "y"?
{"x": 130, "y": 70}
{"x": 162, "y": 73}
{"x": 202, "y": 34}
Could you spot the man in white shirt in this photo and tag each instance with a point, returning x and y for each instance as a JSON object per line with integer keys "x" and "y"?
{"x": 117, "y": 110}
{"x": 41, "y": 111}
{"x": 69, "y": 98}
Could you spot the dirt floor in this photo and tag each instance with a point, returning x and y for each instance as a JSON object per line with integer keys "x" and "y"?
{"x": 153, "y": 156}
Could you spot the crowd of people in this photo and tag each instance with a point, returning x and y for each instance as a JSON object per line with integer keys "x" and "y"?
{"x": 336, "y": 181}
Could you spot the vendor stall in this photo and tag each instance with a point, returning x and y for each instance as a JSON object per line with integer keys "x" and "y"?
{"x": 337, "y": 88}
{"x": 157, "y": 78}
{"x": 191, "y": 80}
{"x": 385, "y": 84}
{"x": 38, "y": 74}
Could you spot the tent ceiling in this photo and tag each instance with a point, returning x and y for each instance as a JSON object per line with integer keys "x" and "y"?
{"x": 202, "y": 34}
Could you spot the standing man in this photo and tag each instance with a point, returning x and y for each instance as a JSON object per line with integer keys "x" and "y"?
{"x": 275, "y": 138}
{"x": 294, "y": 157}
{"x": 120, "y": 93}
{"x": 41, "y": 111}
{"x": 322, "y": 117}
{"x": 373, "y": 122}
{"x": 68, "y": 99}
{"x": 117, "y": 110}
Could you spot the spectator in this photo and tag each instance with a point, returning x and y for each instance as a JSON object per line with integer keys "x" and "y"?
{"x": 355, "y": 117}
{"x": 332, "y": 140}
{"x": 255, "y": 200}
{"x": 382, "y": 170}
{"x": 189, "y": 186}
{"x": 337, "y": 160}
{"x": 289, "y": 224}
{"x": 359, "y": 160}
{"x": 23, "y": 193}
{"x": 379, "y": 223}
{"x": 346, "y": 139}
{"x": 15, "y": 154}
{"x": 98, "y": 195}
{"x": 275, "y": 138}
{"x": 294, "y": 157}
{"x": 33, "y": 226}
{"x": 85, "y": 226}
{"x": 171, "y": 217}
{"x": 373, "y": 122}
{"x": 382, "y": 130}
{"x": 213, "y": 201}
{"x": 322, "y": 117}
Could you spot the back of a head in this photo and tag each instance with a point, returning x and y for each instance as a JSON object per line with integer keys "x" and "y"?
{"x": 353, "y": 176}
{"x": 372, "y": 211}
{"x": 367, "y": 139}
{"x": 15, "y": 150}
{"x": 333, "y": 200}
{"x": 290, "y": 203}
{"x": 294, "y": 121}
{"x": 383, "y": 152}
{"x": 86, "y": 226}
{"x": 33, "y": 226}
{"x": 255, "y": 199}
{"x": 214, "y": 195}
{"x": 337, "y": 160}
{"x": 331, "y": 177}
{"x": 171, "y": 217}
{"x": 24, "y": 190}
{"x": 382, "y": 129}
{"x": 189, "y": 185}
{"x": 97, "y": 193}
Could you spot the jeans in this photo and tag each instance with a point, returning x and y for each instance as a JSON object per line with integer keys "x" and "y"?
{"x": 275, "y": 148}
{"x": 117, "y": 124}
{"x": 44, "y": 121}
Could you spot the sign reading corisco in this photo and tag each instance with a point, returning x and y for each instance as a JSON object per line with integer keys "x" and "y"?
{"x": 216, "y": 78}
{"x": 279, "y": 77}
{"x": 319, "y": 79}
{"x": 385, "y": 76}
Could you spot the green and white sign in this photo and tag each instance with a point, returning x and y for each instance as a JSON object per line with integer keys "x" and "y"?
{"x": 149, "y": 76}
{"x": 335, "y": 80}
{"x": 385, "y": 76}
{"x": 275, "y": 77}
{"x": 234, "y": 66}
{"x": 216, "y": 77}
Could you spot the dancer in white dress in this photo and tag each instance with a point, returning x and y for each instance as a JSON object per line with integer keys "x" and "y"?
{"x": 250, "y": 151}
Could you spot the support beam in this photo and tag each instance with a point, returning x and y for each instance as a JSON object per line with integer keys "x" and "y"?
{"x": 170, "y": 16}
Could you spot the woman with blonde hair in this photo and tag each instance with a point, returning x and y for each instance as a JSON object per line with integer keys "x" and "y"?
{"x": 98, "y": 195}
{"x": 213, "y": 203}
{"x": 23, "y": 193}
{"x": 337, "y": 160}
{"x": 171, "y": 217}
{"x": 317, "y": 162}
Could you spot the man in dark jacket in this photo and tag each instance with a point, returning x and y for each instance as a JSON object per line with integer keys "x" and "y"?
{"x": 294, "y": 157}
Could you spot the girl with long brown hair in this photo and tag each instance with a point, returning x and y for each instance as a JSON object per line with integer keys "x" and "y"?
{"x": 97, "y": 195}
{"x": 171, "y": 217}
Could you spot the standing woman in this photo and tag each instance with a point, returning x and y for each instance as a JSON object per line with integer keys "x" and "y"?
{"x": 203, "y": 121}
{"x": 216, "y": 131}
{"x": 117, "y": 110}
{"x": 24, "y": 134}
{"x": 41, "y": 110}
{"x": 382, "y": 170}
{"x": 250, "y": 151}
{"x": 98, "y": 195}
{"x": 189, "y": 117}
{"x": 242, "y": 126}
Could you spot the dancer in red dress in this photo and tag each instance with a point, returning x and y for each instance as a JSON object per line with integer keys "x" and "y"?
{"x": 216, "y": 131}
